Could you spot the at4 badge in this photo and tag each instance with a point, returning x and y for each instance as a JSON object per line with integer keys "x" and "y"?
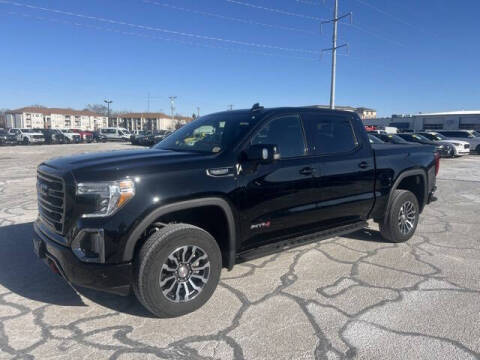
{"x": 261, "y": 225}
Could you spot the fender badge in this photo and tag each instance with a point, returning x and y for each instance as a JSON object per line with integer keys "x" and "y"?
{"x": 260, "y": 225}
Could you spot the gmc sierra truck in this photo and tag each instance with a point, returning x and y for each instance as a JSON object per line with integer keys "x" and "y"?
{"x": 223, "y": 189}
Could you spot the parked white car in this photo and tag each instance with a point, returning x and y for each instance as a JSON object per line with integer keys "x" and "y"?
{"x": 460, "y": 147}
{"x": 470, "y": 136}
{"x": 120, "y": 134}
{"x": 27, "y": 136}
{"x": 71, "y": 136}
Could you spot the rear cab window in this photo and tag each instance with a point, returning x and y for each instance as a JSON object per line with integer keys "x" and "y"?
{"x": 329, "y": 134}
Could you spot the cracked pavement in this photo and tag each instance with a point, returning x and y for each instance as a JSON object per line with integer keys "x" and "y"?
{"x": 348, "y": 297}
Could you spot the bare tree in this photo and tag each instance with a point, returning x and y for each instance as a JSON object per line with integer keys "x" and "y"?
{"x": 97, "y": 108}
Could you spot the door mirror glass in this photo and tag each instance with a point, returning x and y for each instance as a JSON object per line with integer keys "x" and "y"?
{"x": 263, "y": 153}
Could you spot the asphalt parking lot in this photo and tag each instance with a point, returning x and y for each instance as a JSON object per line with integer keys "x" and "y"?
{"x": 348, "y": 297}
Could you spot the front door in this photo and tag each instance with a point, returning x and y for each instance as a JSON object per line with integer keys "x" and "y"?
{"x": 277, "y": 198}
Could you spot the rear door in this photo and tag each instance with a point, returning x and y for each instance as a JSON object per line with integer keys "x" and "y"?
{"x": 344, "y": 168}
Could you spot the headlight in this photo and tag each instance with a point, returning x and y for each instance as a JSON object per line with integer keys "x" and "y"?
{"x": 109, "y": 196}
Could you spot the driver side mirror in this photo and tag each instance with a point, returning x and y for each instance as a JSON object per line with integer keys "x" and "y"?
{"x": 263, "y": 153}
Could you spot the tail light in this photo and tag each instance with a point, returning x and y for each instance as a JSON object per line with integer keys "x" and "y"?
{"x": 437, "y": 163}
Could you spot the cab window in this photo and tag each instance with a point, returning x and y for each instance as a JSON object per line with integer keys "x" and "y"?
{"x": 286, "y": 132}
{"x": 329, "y": 134}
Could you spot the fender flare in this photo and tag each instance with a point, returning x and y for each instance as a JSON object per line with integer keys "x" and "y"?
{"x": 183, "y": 205}
{"x": 405, "y": 174}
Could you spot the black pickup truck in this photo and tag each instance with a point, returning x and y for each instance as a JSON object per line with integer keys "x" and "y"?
{"x": 221, "y": 190}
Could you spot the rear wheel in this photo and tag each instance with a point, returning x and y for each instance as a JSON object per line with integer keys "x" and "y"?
{"x": 177, "y": 270}
{"x": 401, "y": 221}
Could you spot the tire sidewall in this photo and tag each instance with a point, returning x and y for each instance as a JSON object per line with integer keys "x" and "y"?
{"x": 149, "y": 274}
{"x": 405, "y": 196}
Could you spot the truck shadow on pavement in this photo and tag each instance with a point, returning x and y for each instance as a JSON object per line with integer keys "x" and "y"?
{"x": 366, "y": 234}
{"x": 22, "y": 273}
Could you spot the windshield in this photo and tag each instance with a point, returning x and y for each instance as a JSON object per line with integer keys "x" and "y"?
{"x": 476, "y": 133}
{"x": 209, "y": 134}
{"x": 438, "y": 137}
{"x": 374, "y": 140}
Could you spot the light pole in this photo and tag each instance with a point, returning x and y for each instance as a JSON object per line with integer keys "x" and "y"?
{"x": 172, "y": 107}
{"x": 198, "y": 111}
{"x": 108, "y": 102}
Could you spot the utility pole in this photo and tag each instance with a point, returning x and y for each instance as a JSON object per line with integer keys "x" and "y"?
{"x": 230, "y": 107}
{"x": 334, "y": 48}
{"x": 198, "y": 111}
{"x": 172, "y": 107}
{"x": 108, "y": 102}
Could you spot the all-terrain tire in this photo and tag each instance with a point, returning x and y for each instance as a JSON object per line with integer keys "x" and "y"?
{"x": 154, "y": 254}
{"x": 392, "y": 227}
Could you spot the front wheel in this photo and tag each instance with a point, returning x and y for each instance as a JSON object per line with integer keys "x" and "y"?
{"x": 401, "y": 220}
{"x": 26, "y": 141}
{"x": 177, "y": 270}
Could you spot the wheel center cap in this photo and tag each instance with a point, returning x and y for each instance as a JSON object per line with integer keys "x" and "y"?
{"x": 182, "y": 271}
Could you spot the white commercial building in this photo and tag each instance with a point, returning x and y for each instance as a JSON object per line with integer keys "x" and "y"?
{"x": 452, "y": 120}
{"x": 51, "y": 118}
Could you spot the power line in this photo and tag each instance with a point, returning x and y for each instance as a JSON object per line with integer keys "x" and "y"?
{"x": 275, "y": 10}
{"x": 155, "y": 37}
{"x": 283, "y": 12}
{"x": 150, "y": 28}
{"x": 386, "y": 13}
{"x": 229, "y": 18}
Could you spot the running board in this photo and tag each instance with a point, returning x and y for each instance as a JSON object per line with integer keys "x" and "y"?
{"x": 298, "y": 241}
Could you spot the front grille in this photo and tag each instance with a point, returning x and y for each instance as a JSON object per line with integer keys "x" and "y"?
{"x": 51, "y": 200}
{"x": 467, "y": 146}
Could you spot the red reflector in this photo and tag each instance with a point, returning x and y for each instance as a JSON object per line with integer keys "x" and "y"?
{"x": 53, "y": 267}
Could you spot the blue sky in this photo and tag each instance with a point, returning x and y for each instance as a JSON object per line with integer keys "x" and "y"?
{"x": 405, "y": 56}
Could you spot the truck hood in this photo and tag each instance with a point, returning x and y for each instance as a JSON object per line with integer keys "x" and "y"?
{"x": 120, "y": 163}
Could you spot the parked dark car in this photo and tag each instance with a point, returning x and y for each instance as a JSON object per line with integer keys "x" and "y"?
{"x": 99, "y": 137}
{"x": 223, "y": 189}
{"x": 391, "y": 138}
{"x": 444, "y": 149}
{"x": 374, "y": 139}
{"x": 138, "y": 134}
{"x": 152, "y": 137}
{"x": 6, "y": 138}
{"x": 53, "y": 136}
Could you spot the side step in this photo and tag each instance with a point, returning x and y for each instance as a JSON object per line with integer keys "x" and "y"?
{"x": 298, "y": 241}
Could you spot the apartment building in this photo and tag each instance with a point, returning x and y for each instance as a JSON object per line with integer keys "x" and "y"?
{"x": 40, "y": 117}
{"x": 148, "y": 121}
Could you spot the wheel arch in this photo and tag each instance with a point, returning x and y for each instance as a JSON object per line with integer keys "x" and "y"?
{"x": 401, "y": 183}
{"x": 164, "y": 210}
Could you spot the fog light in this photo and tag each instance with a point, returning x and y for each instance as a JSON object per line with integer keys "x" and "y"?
{"x": 89, "y": 246}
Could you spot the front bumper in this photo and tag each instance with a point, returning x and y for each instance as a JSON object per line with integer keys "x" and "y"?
{"x": 113, "y": 278}
{"x": 461, "y": 150}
